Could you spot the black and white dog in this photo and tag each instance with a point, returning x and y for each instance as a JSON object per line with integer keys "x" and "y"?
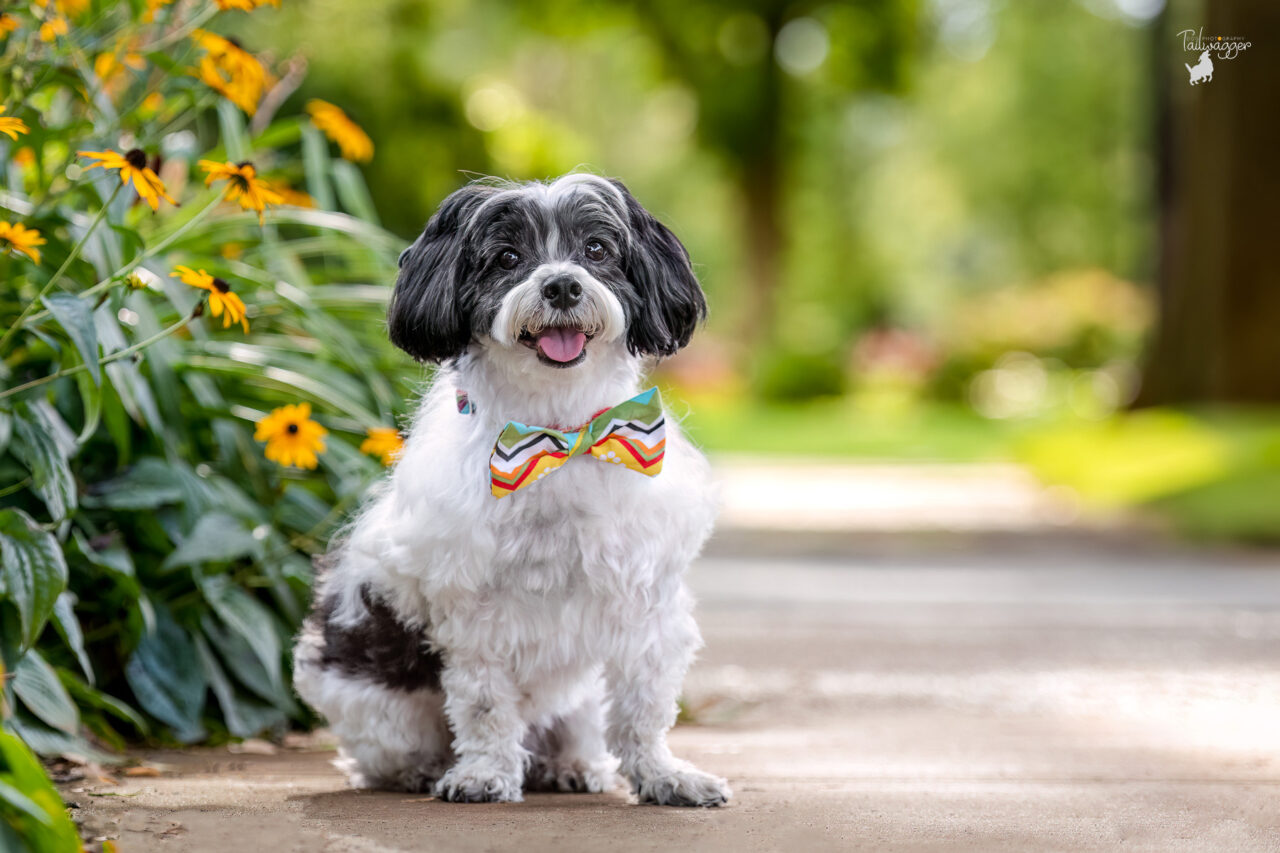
{"x": 476, "y": 646}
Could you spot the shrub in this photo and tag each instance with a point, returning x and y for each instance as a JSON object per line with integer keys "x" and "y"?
{"x": 155, "y": 559}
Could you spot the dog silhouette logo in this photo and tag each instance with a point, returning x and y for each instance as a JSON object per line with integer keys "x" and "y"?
{"x": 1202, "y": 71}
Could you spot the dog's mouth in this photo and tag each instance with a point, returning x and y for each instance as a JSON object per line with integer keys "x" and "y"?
{"x": 557, "y": 346}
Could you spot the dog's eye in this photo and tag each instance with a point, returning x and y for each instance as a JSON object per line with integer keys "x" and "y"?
{"x": 595, "y": 251}
{"x": 508, "y": 260}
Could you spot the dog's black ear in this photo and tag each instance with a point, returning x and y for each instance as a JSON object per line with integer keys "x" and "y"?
{"x": 671, "y": 303}
{"x": 427, "y": 317}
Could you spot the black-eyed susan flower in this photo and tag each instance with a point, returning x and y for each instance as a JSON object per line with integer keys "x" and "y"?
{"x": 245, "y": 5}
{"x": 292, "y": 437}
{"x": 354, "y": 143}
{"x": 294, "y": 198}
{"x": 222, "y": 301}
{"x": 231, "y": 71}
{"x": 243, "y": 184}
{"x": 21, "y": 239}
{"x": 8, "y": 23}
{"x": 384, "y": 442}
{"x": 133, "y": 167}
{"x": 11, "y": 126}
{"x": 52, "y": 28}
{"x": 154, "y": 6}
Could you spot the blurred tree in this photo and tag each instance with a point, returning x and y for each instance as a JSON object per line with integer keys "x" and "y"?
{"x": 1218, "y": 335}
{"x": 748, "y": 64}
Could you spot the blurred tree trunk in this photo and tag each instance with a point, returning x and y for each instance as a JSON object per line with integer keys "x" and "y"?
{"x": 1218, "y": 334}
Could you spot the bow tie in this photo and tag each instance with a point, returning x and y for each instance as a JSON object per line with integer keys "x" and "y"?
{"x": 631, "y": 434}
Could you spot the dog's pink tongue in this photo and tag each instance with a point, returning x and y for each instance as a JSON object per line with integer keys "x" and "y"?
{"x": 560, "y": 344}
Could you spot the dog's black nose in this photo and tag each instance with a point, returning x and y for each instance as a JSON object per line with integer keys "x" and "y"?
{"x": 562, "y": 291}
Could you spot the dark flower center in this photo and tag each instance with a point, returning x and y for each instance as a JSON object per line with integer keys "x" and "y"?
{"x": 220, "y": 285}
{"x": 136, "y": 158}
{"x": 234, "y": 42}
{"x": 244, "y": 163}
{"x": 292, "y": 429}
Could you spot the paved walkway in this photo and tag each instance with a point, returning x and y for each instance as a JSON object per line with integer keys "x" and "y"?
{"x": 880, "y": 692}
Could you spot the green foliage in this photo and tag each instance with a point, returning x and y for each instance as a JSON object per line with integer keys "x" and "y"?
{"x": 153, "y": 564}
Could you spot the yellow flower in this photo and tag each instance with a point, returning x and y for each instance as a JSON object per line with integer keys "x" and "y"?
{"x": 8, "y": 23}
{"x": 151, "y": 105}
{"x": 295, "y": 198}
{"x": 383, "y": 442}
{"x": 243, "y": 184}
{"x": 354, "y": 142}
{"x": 154, "y": 6}
{"x": 52, "y": 28}
{"x": 21, "y": 239}
{"x": 292, "y": 437}
{"x": 222, "y": 302}
{"x": 245, "y": 5}
{"x": 11, "y": 126}
{"x": 70, "y": 8}
{"x": 110, "y": 66}
{"x": 231, "y": 71}
{"x": 132, "y": 165}
{"x": 25, "y": 157}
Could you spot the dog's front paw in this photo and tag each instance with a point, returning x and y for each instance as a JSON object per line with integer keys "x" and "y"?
{"x": 573, "y": 776}
{"x": 684, "y": 787}
{"x": 477, "y": 785}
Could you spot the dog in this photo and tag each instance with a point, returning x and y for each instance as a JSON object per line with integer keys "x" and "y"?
{"x": 1203, "y": 70}
{"x": 476, "y": 645}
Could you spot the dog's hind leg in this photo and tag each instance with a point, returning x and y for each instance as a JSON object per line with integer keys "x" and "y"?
{"x": 570, "y": 753}
{"x": 377, "y": 683}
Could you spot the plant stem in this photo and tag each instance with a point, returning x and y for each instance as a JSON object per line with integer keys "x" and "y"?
{"x": 57, "y": 276}
{"x": 154, "y": 250}
{"x": 115, "y": 356}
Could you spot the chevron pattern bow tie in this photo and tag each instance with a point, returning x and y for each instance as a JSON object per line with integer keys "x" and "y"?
{"x": 631, "y": 434}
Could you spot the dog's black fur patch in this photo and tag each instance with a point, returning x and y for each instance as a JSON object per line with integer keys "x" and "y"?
{"x": 379, "y": 647}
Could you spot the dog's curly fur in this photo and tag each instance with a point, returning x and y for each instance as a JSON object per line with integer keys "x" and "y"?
{"x": 477, "y": 647}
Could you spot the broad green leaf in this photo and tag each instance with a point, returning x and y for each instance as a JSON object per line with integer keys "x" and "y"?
{"x": 33, "y": 570}
{"x": 38, "y": 688}
{"x": 165, "y": 675}
{"x": 48, "y": 741}
{"x": 68, "y": 626}
{"x": 244, "y": 718}
{"x": 246, "y": 667}
{"x": 75, "y": 315}
{"x": 113, "y": 558}
{"x": 149, "y": 484}
{"x": 42, "y": 440}
{"x": 92, "y": 697}
{"x": 24, "y": 787}
{"x": 217, "y": 538}
{"x": 247, "y": 617}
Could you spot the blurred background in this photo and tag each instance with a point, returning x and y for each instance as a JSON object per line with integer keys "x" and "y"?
{"x": 948, "y": 230}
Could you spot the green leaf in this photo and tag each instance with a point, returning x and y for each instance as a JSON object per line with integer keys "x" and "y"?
{"x": 68, "y": 626}
{"x": 352, "y": 191}
{"x": 32, "y": 568}
{"x": 217, "y": 538}
{"x": 164, "y": 673}
{"x": 75, "y": 315}
{"x": 91, "y": 397}
{"x": 6, "y": 430}
{"x": 233, "y": 136}
{"x": 88, "y": 696}
{"x": 243, "y": 663}
{"x": 41, "y": 822}
{"x": 43, "y": 444}
{"x": 113, "y": 558}
{"x": 38, "y": 688}
{"x": 47, "y": 741}
{"x": 244, "y": 717}
{"x": 149, "y": 484}
{"x": 247, "y": 617}
{"x": 315, "y": 159}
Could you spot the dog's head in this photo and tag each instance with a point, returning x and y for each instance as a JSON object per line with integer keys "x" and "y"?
{"x": 544, "y": 270}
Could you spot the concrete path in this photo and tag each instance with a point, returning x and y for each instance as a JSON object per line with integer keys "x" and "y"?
{"x": 868, "y": 692}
